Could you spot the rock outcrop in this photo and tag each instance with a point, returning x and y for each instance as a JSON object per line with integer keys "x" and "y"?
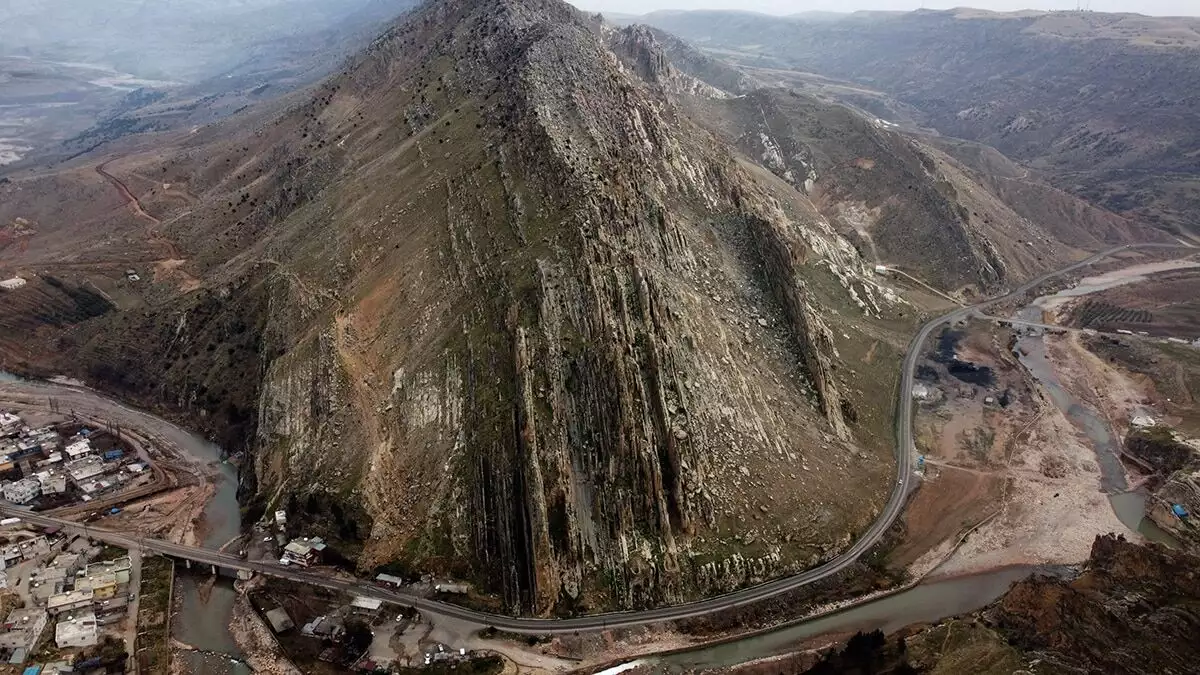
{"x": 1174, "y": 484}
{"x": 492, "y": 303}
{"x": 520, "y": 320}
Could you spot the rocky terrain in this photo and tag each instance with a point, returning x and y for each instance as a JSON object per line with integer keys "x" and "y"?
{"x": 516, "y": 314}
{"x": 1102, "y": 103}
{"x": 517, "y": 291}
{"x": 1176, "y": 465}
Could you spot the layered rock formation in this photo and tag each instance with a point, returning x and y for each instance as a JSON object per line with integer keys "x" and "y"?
{"x": 491, "y": 302}
{"x": 556, "y": 330}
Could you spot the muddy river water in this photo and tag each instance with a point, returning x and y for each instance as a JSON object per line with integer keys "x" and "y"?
{"x": 1129, "y": 506}
{"x": 935, "y": 600}
{"x": 207, "y": 607}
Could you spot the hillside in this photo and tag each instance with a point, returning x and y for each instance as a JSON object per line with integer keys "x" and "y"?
{"x": 516, "y": 311}
{"x": 515, "y": 290}
{"x": 1103, "y": 104}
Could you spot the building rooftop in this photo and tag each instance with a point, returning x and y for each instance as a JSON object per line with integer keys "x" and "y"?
{"x": 78, "y": 448}
{"x": 280, "y": 621}
{"x": 94, "y": 581}
{"x": 68, "y": 599}
{"x": 85, "y": 468}
{"x": 22, "y": 628}
{"x": 78, "y": 630}
{"x": 366, "y": 603}
{"x": 114, "y": 565}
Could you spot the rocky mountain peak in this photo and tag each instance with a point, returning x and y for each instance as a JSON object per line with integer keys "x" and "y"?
{"x": 518, "y": 311}
{"x": 641, "y": 49}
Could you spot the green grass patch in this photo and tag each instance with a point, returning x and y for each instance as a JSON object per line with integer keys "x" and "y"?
{"x": 154, "y": 616}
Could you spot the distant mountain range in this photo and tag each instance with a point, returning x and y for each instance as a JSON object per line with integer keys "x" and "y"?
{"x": 180, "y": 40}
{"x": 1105, "y": 105}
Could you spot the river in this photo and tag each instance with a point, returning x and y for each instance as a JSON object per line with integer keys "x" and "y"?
{"x": 936, "y": 600}
{"x": 1129, "y": 506}
{"x": 203, "y": 622}
{"x": 927, "y": 602}
{"x": 207, "y": 610}
{"x": 204, "y": 617}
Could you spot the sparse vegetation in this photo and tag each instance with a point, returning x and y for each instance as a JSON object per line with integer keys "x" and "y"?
{"x": 154, "y": 613}
{"x": 1097, "y": 313}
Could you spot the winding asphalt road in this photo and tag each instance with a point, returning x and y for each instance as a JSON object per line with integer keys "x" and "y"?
{"x": 895, "y": 505}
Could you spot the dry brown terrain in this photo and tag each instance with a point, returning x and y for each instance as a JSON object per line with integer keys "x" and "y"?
{"x": 1166, "y": 305}
{"x": 1017, "y": 477}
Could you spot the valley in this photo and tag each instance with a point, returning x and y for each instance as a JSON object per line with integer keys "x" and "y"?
{"x": 509, "y": 330}
{"x": 1093, "y": 103}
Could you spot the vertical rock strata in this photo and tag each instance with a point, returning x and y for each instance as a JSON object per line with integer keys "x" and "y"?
{"x": 535, "y": 328}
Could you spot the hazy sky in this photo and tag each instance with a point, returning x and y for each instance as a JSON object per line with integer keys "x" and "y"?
{"x": 1158, "y": 7}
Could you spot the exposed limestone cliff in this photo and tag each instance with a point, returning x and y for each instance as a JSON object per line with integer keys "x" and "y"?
{"x": 597, "y": 336}
{"x": 490, "y": 303}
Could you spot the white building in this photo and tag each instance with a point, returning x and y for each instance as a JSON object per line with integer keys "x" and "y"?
{"x": 22, "y": 628}
{"x": 79, "y": 449}
{"x": 12, "y": 284}
{"x": 22, "y": 491}
{"x": 76, "y": 631}
{"x": 52, "y": 483}
{"x": 1142, "y": 421}
{"x": 85, "y": 468}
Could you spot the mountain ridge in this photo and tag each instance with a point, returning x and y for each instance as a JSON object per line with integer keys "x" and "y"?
{"x": 516, "y": 291}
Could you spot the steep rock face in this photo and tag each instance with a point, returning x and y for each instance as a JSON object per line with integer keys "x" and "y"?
{"x": 1141, "y": 599}
{"x": 490, "y": 300}
{"x": 556, "y": 375}
{"x": 672, "y": 66}
{"x": 702, "y": 66}
{"x": 903, "y": 204}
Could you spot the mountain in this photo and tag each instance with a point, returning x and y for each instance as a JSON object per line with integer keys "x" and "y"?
{"x": 1102, "y": 104}
{"x": 518, "y": 291}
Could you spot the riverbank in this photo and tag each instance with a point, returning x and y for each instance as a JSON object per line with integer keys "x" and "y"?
{"x": 198, "y": 507}
{"x": 254, "y": 639}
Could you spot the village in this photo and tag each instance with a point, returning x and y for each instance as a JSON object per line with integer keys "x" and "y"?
{"x": 67, "y": 602}
{"x": 70, "y": 603}
{"x": 67, "y": 464}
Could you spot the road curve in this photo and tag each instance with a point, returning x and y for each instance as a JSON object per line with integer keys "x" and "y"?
{"x": 895, "y": 504}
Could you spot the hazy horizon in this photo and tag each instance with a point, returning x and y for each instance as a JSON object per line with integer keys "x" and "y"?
{"x": 783, "y": 7}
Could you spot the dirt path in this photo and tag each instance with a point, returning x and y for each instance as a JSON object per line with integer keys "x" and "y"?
{"x": 129, "y": 197}
{"x": 153, "y": 233}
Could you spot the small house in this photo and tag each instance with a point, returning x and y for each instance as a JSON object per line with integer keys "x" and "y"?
{"x": 279, "y": 620}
